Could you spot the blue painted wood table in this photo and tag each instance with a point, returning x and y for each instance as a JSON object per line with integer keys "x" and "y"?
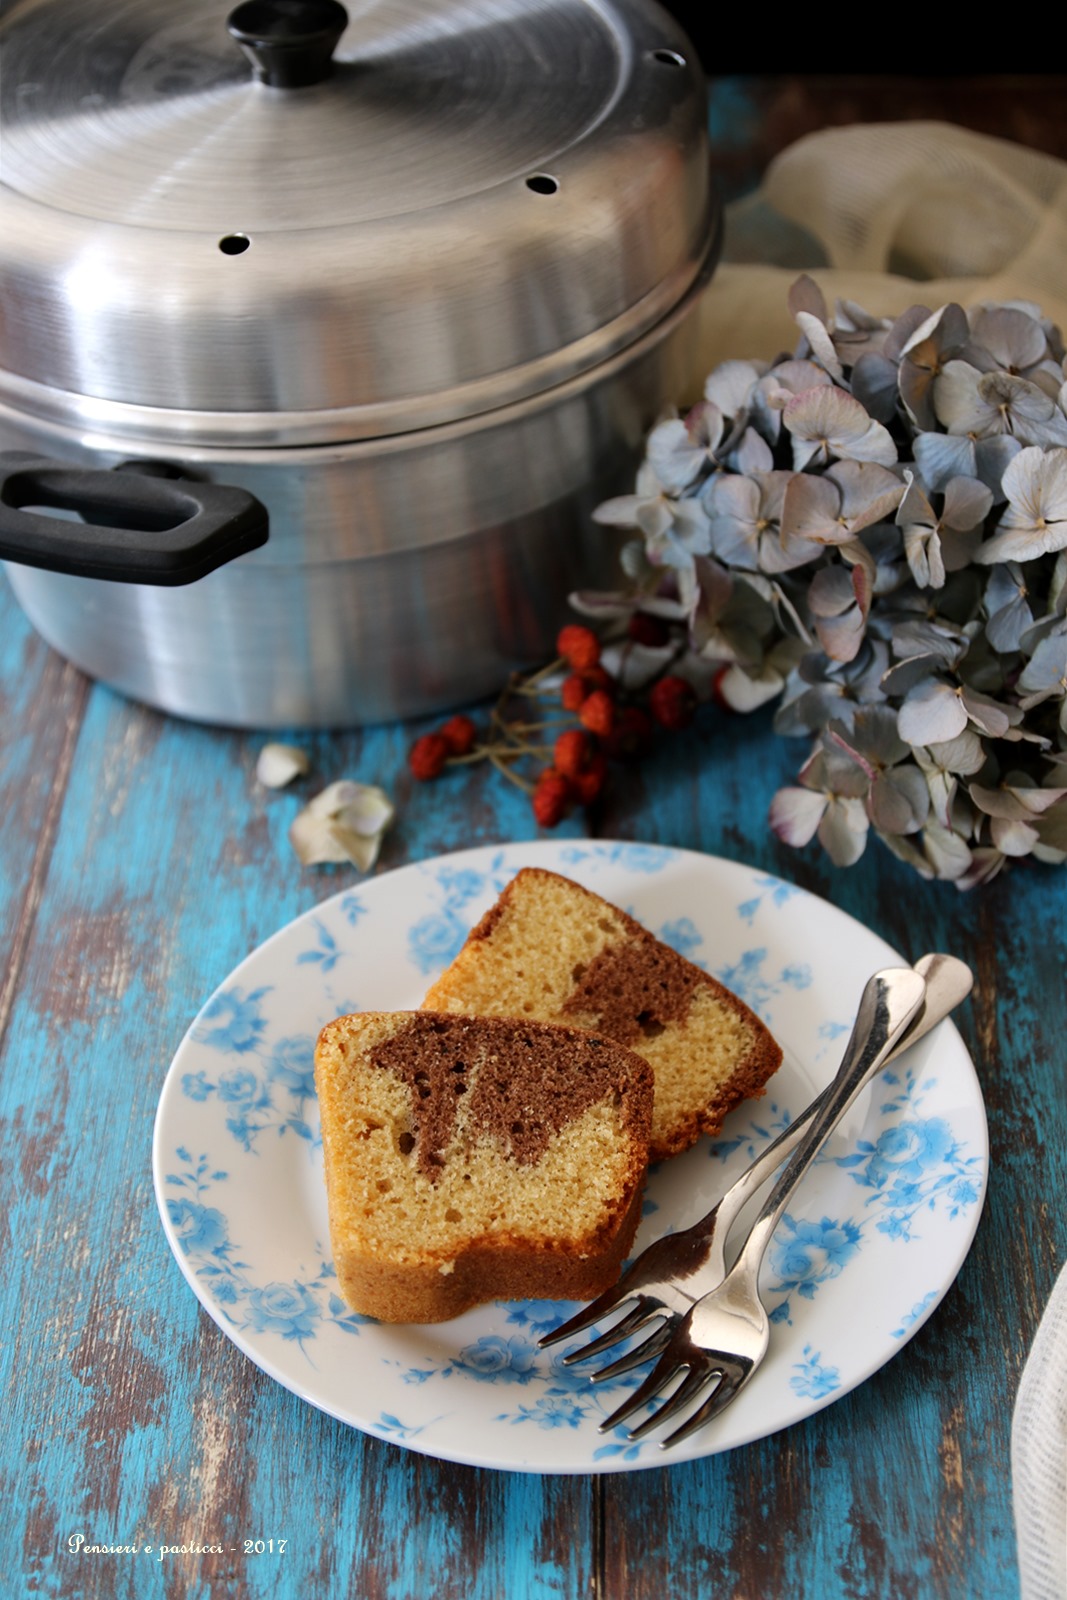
{"x": 139, "y": 862}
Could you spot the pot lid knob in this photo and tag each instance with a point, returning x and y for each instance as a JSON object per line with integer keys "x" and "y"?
{"x": 290, "y": 43}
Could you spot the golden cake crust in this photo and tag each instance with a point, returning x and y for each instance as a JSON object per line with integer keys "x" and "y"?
{"x": 504, "y": 1269}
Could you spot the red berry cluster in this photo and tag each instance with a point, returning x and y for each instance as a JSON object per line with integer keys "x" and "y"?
{"x": 599, "y": 723}
{"x": 429, "y": 754}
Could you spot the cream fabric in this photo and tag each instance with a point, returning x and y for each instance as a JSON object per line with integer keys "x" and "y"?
{"x": 1039, "y": 1457}
{"x": 901, "y": 213}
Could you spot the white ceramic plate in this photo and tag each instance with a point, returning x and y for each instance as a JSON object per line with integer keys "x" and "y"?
{"x": 876, "y": 1236}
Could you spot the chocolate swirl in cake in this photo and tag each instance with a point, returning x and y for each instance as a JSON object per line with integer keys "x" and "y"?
{"x": 520, "y": 1091}
{"x": 635, "y": 989}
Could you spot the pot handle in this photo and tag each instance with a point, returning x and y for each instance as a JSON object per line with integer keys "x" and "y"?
{"x": 143, "y": 522}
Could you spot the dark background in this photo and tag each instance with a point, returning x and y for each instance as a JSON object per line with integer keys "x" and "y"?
{"x": 770, "y": 84}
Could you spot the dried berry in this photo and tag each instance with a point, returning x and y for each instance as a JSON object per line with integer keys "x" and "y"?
{"x": 526, "y": 734}
{"x": 578, "y": 686}
{"x": 573, "y": 692}
{"x": 428, "y": 756}
{"x": 572, "y": 752}
{"x": 588, "y": 783}
{"x": 459, "y": 734}
{"x": 673, "y": 702}
{"x": 597, "y": 712}
{"x": 551, "y": 798}
{"x": 643, "y": 628}
{"x": 579, "y": 646}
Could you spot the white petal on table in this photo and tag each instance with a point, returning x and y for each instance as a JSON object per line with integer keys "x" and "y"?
{"x": 345, "y": 822}
{"x": 279, "y": 764}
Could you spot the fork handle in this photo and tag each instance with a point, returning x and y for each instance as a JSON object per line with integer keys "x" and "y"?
{"x": 948, "y": 981}
{"x": 889, "y": 1003}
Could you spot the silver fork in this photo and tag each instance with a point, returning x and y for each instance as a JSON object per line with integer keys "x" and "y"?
{"x": 724, "y": 1336}
{"x": 674, "y": 1272}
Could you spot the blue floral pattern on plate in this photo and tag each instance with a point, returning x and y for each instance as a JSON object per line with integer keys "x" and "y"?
{"x": 293, "y": 1310}
{"x": 877, "y": 1233}
{"x": 269, "y": 1084}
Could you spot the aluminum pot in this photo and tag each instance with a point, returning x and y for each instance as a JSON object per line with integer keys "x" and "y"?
{"x": 368, "y": 313}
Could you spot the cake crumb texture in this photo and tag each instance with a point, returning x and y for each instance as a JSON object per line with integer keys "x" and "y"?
{"x": 471, "y": 1159}
{"x": 552, "y": 950}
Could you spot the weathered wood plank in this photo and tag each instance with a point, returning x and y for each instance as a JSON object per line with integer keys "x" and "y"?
{"x": 41, "y": 704}
{"x": 168, "y": 865}
{"x": 129, "y": 1415}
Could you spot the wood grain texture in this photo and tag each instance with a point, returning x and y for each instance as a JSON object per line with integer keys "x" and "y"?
{"x": 139, "y": 861}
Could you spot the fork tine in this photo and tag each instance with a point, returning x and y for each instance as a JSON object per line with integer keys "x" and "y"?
{"x": 695, "y": 1380}
{"x": 647, "y": 1350}
{"x": 610, "y": 1300}
{"x": 720, "y": 1397}
{"x": 634, "y": 1319}
{"x": 667, "y": 1367}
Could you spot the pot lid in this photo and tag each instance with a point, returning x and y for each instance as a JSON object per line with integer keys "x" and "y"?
{"x": 342, "y": 225}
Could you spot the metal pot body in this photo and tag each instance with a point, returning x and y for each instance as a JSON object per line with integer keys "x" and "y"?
{"x": 402, "y": 575}
{"x": 402, "y": 290}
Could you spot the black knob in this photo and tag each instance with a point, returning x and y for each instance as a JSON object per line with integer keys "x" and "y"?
{"x": 290, "y": 43}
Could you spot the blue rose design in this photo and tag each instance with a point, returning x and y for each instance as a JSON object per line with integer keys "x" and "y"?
{"x": 196, "y": 1086}
{"x": 436, "y": 940}
{"x": 909, "y": 1150}
{"x": 231, "y": 1021}
{"x": 462, "y": 885}
{"x": 964, "y": 1192}
{"x": 682, "y": 935}
{"x": 292, "y": 1063}
{"x": 810, "y": 1252}
{"x": 557, "y": 1411}
{"x": 642, "y": 858}
{"x": 243, "y": 1130}
{"x": 906, "y": 1194}
{"x": 812, "y": 1380}
{"x": 285, "y": 1308}
{"x": 540, "y": 1316}
{"x": 747, "y": 980}
{"x": 198, "y": 1227}
{"x": 239, "y": 1086}
{"x": 493, "y": 1358}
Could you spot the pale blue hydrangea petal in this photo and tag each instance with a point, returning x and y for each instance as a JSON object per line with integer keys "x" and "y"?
{"x": 931, "y": 712}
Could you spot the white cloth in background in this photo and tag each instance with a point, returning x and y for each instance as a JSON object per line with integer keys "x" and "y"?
{"x": 1039, "y": 1457}
{"x": 905, "y": 214}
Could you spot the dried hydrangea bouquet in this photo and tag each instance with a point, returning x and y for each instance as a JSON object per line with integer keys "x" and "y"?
{"x": 874, "y": 529}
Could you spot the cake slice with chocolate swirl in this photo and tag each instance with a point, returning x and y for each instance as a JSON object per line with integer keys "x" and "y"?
{"x": 471, "y": 1159}
{"x": 552, "y": 950}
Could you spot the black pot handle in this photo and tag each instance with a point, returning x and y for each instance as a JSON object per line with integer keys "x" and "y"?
{"x": 142, "y": 524}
